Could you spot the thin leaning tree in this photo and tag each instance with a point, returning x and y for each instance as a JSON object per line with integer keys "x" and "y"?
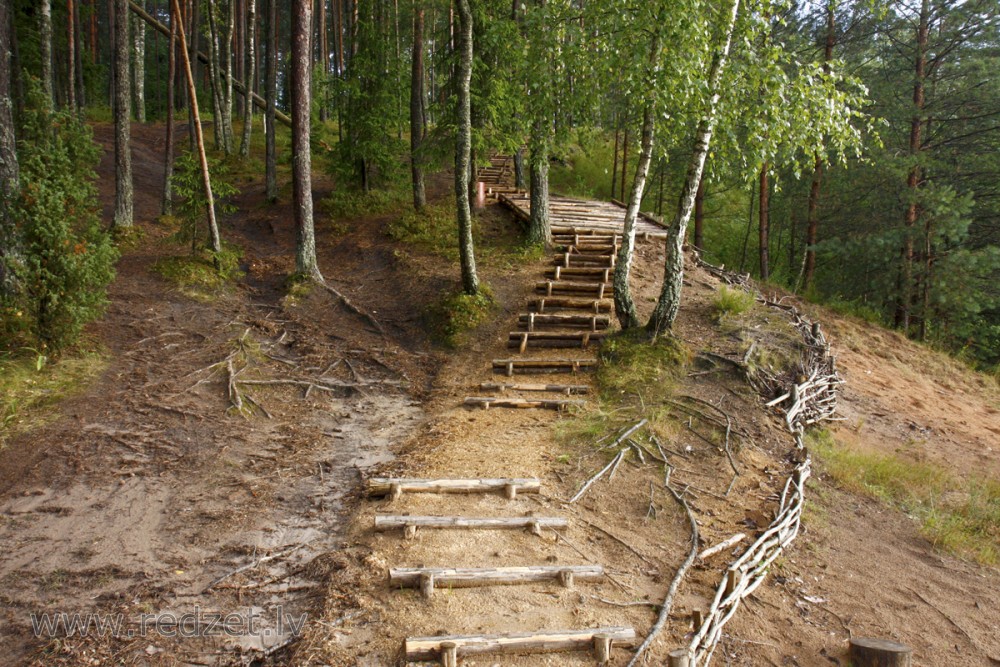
{"x": 463, "y": 147}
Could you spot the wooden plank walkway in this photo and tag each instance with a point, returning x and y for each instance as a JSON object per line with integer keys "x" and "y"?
{"x": 583, "y": 216}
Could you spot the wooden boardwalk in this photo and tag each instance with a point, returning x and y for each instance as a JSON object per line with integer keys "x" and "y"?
{"x": 584, "y": 214}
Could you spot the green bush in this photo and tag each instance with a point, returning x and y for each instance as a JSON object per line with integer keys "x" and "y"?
{"x": 457, "y": 313}
{"x": 730, "y": 302}
{"x": 347, "y": 203}
{"x": 189, "y": 192}
{"x": 63, "y": 260}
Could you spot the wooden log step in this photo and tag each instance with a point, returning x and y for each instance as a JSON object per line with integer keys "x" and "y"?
{"x": 525, "y": 339}
{"x": 586, "y": 248}
{"x": 567, "y": 389}
{"x": 568, "y": 259}
{"x": 487, "y": 402}
{"x": 551, "y": 287}
{"x": 410, "y": 524}
{"x": 571, "y": 303}
{"x": 574, "y": 230}
{"x": 580, "y": 239}
{"x": 602, "y": 274}
{"x": 426, "y": 578}
{"x": 592, "y": 322}
{"x": 389, "y": 486}
{"x": 447, "y": 648}
{"x": 509, "y": 366}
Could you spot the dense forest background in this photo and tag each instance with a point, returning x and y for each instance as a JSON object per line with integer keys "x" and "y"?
{"x": 855, "y": 156}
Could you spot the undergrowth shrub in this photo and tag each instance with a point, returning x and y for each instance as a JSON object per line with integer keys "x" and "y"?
{"x": 730, "y": 302}
{"x": 433, "y": 229}
{"x": 455, "y": 314}
{"x": 59, "y": 259}
{"x": 347, "y": 203}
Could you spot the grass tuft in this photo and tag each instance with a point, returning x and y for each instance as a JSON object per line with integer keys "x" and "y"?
{"x": 732, "y": 302}
{"x": 197, "y": 276}
{"x": 432, "y": 229}
{"x": 29, "y": 385}
{"x": 961, "y": 517}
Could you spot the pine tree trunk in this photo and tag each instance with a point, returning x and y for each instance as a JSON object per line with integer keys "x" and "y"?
{"x": 417, "y": 108}
{"x": 9, "y": 171}
{"x": 914, "y": 177}
{"x": 764, "y": 224}
{"x": 519, "y": 168}
{"x": 628, "y": 317}
{"x": 71, "y": 56}
{"x": 81, "y": 98}
{"x": 463, "y": 146}
{"x": 539, "y": 225}
{"x": 45, "y": 47}
{"x": 215, "y": 76}
{"x": 614, "y": 166}
{"x": 271, "y": 90}
{"x": 324, "y": 57}
{"x": 167, "y": 205}
{"x": 301, "y": 65}
{"x": 250, "y": 75}
{"x": 668, "y": 303}
{"x": 199, "y": 137}
{"x": 139, "y": 72}
{"x": 123, "y": 119}
{"x": 621, "y": 190}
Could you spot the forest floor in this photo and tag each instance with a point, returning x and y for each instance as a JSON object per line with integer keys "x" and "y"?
{"x": 147, "y": 493}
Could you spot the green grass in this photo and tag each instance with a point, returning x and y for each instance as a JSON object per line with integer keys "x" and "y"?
{"x": 635, "y": 378}
{"x": 30, "y": 385}
{"x": 197, "y": 277}
{"x": 432, "y": 229}
{"x": 959, "y": 516}
{"x": 730, "y": 302}
{"x": 350, "y": 204}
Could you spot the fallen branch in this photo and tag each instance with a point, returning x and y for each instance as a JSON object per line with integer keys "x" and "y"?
{"x": 721, "y": 546}
{"x": 614, "y": 463}
{"x": 249, "y": 566}
{"x": 354, "y": 309}
{"x": 632, "y": 429}
{"x": 668, "y": 600}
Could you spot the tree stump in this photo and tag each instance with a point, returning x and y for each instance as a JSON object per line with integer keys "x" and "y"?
{"x": 869, "y": 652}
{"x": 427, "y": 585}
{"x": 566, "y": 578}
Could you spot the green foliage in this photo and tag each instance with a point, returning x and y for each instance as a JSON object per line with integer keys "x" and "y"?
{"x": 457, "y": 313}
{"x": 350, "y": 204}
{"x": 961, "y": 516}
{"x": 433, "y": 229}
{"x": 64, "y": 260}
{"x": 584, "y": 169}
{"x": 191, "y": 204}
{"x": 729, "y": 302}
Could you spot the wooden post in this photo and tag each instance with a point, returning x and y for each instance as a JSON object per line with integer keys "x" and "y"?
{"x": 869, "y": 652}
{"x": 602, "y": 648}
{"x": 395, "y": 492}
{"x": 449, "y": 654}
{"x": 697, "y": 618}
{"x": 731, "y": 582}
{"x": 409, "y": 532}
{"x": 679, "y": 658}
{"x": 510, "y": 491}
{"x": 427, "y": 584}
{"x": 566, "y": 578}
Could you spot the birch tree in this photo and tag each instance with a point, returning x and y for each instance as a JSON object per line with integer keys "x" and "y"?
{"x": 301, "y": 72}
{"x": 123, "y": 120}
{"x": 463, "y": 146}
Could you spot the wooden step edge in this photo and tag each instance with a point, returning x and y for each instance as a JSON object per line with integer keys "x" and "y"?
{"x": 447, "y": 648}
{"x": 427, "y": 578}
{"x": 393, "y": 486}
{"x": 409, "y": 524}
{"x": 487, "y": 402}
{"x": 568, "y": 389}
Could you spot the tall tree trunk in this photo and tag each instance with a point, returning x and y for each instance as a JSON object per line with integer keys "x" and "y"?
{"x": 699, "y": 213}
{"x": 250, "y": 75}
{"x": 77, "y": 54}
{"x": 625, "y": 308}
{"x": 301, "y": 65}
{"x": 539, "y": 224}
{"x": 139, "y": 73}
{"x": 324, "y": 58}
{"x": 913, "y": 179}
{"x": 199, "y": 137}
{"x": 463, "y": 146}
{"x": 624, "y": 304}
{"x": 123, "y": 119}
{"x": 621, "y": 190}
{"x": 71, "y": 56}
{"x": 764, "y": 224}
{"x": 215, "y": 76}
{"x": 9, "y": 171}
{"x": 45, "y": 48}
{"x": 227, "y": 77}
{"x": 519, "y": 168}
{"x": 167, "y": 204}
{"x": 668, "y": 303}
{"x": 417, "y": 108}
{"x": 614, "y": 166}
{"x": 271, "y": 91}
{"x": 812, "y": 221}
